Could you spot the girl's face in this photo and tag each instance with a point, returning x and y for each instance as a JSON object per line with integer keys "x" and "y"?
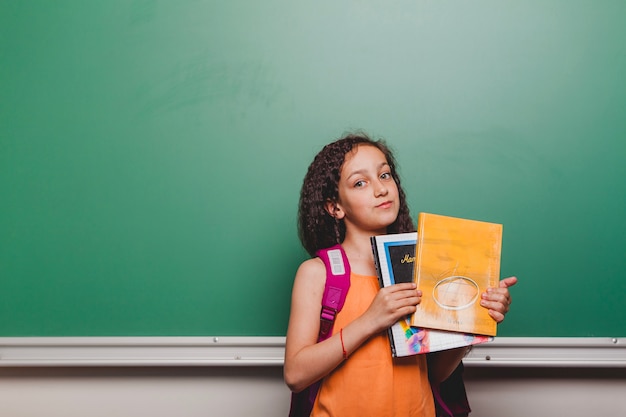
{"x": 368, "y": 194}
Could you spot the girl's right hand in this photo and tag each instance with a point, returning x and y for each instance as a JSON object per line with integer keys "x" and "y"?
{"x": 391, "y": 304}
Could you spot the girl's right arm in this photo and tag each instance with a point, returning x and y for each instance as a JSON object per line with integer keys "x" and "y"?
{"x": 307, "y": 361}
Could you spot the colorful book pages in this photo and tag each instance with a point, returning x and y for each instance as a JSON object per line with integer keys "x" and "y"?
{"x": 456, "y": 261}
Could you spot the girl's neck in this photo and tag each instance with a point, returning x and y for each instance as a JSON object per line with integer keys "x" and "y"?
{"x": 359, "y": 252}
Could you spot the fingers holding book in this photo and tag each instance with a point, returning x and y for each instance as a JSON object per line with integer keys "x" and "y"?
{"x": 498, "y": 300}
{"x": 392, "y": 303}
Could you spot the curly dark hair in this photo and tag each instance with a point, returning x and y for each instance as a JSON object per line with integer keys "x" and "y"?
{"x": 317, "y": 229}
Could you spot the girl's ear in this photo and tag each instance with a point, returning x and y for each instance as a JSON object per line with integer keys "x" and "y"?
{"x": 334, "y": 210}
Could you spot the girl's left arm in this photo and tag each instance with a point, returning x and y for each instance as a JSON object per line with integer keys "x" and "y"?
{"x": 497, "y": 301}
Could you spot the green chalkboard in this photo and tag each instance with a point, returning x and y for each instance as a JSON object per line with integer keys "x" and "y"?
{"x": 151, "y": 152}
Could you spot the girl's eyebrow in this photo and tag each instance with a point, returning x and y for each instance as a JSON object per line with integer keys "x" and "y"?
{"x": 364, "y": 171}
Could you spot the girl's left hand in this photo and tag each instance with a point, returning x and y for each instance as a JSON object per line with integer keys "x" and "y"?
{"x": 498, "y": 300}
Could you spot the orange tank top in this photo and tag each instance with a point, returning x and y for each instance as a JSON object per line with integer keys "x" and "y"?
{"x": 371, "y": 382}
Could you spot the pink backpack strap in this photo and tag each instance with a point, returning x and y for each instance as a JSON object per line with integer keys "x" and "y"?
{"x": 337, "y": 285}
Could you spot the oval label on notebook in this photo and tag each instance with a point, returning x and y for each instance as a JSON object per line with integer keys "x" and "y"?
{"x": 456, "y": 292}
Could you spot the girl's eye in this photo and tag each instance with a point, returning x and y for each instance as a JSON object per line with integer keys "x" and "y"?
{"x": 386, "y": 176}
{"x": 359, "y": 184}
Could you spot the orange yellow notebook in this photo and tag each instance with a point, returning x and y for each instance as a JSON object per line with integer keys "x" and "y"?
{"x": 456, "y": 261}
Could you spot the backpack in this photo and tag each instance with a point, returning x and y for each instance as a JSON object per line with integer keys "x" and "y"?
{"x": 449, "y": 396}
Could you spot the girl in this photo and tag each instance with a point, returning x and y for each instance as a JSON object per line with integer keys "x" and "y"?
{"x": 351, "y": 192}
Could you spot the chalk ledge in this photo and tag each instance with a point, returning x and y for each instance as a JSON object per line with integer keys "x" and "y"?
{"x": 269, "y": 351}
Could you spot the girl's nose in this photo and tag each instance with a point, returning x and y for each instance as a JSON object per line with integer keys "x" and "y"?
{"x": 381, "y": 189}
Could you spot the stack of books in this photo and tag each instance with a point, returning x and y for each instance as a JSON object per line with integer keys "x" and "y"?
{"x": 452, "y": 261}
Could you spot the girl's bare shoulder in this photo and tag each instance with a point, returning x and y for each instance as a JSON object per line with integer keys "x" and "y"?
{"x": 311, "y": 274}
{"x": 311, "y": 268}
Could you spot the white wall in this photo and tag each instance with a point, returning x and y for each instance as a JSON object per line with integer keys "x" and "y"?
{"x": 550, "y": 392}
{"x": 260, "y": 392}
{"x": 155, "y": 392}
